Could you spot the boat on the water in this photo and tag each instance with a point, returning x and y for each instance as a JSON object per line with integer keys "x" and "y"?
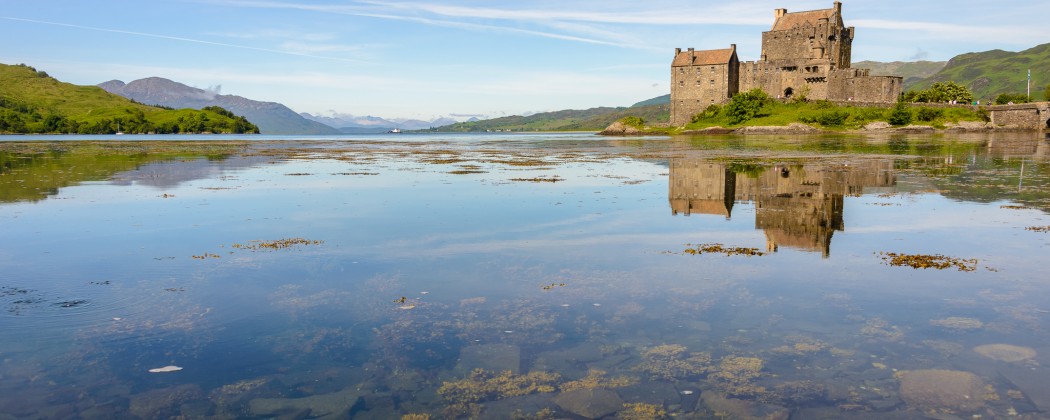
{"x": 395, "y": 131}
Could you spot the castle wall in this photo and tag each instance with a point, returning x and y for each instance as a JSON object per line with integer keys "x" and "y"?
{"x": 1034, "y": 115}
{"x": 856, "y": 85}
{"x": 695, "y": 87}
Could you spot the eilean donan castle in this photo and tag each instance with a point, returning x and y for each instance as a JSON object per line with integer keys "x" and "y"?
{"x": 805, "y": 53}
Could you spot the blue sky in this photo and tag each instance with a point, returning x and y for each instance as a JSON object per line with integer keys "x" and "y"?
{"x": 430, "y": 58}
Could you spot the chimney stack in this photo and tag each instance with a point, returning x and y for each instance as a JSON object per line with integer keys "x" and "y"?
{"x": 838, "y": 8}
{"x": 778, "y": 13}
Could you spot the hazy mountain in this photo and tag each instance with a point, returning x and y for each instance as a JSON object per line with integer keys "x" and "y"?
{"x": 912, "y": 71}
{"x": 368, "y": 124}
{"x": 271, "y": 117}
{"x": 593, "y": 119}
{"x": 659, "y": 100}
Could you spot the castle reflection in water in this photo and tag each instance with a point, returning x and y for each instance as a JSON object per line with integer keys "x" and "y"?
{"x": 796, "y": 205}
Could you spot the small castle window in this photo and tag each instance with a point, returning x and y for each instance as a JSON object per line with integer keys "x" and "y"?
{"x": 712, "y": 82}
{"x": 712, "y": 69}
{"x": 681, "y": 83}
{"x": 698, "y": 82}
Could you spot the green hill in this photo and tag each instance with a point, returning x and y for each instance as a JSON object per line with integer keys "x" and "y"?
{"x": 994, "y": 72}
{"x": 33, "y": 102}
{"x": 594, "y": 119}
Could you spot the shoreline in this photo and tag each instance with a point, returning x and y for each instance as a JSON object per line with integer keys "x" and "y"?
{"x": 619, "y": 129}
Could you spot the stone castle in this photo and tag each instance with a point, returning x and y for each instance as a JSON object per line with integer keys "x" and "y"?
{"x": 804, "y": 54}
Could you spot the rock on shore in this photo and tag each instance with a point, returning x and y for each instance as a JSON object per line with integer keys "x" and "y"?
{"x": 620, "y": 129}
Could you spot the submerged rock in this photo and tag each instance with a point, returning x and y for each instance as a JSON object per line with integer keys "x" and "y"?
{"x": 590, "y": 403}
{"x": 164, "y": 402}
{"x": 490, "y": 357}
{"x": 334, "y": 404}
{"x": 939, "y": 389}
{"x": 957, "y": 323}
{"x": 1005, "y": 352}
{"x": 741, "y": 409}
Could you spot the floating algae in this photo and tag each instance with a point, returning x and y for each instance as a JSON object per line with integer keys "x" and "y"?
{"x": 924, "y": 261}
{"x": 480, "y": 385}
{"x": 716, "y": 248}
{"x": 669, "y": 362}
{"x": 277, "y": 244}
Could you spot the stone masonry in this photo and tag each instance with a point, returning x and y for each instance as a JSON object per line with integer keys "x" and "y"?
{"x": 804, "y": 54}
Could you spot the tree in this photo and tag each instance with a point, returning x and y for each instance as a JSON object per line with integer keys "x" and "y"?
{"x": 745, "y": 106}
{"x": 941, "y": 92}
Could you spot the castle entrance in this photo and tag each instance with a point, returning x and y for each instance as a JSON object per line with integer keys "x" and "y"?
{"x": 788, "y": 92}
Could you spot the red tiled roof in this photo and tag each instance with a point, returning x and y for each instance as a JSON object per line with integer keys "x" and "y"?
{"x": 704, "y": 57}
{"x": 797, "y": 19}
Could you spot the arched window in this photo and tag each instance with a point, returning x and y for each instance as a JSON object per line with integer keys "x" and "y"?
{"x": 788, "y": 92}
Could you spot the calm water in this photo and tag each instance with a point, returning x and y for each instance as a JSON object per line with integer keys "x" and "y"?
{"x": 525, "y": 276}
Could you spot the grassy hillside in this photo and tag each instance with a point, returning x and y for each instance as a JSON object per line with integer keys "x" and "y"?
{"x": 991, "y": 73}
{"x": 33, "y": 102}
{"x": 594, "y": 119}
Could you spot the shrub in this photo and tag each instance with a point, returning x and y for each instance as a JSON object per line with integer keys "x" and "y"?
{"x": 745, "y": 106}
{"x": 928, "y": 114}
{"x": 1046, "y": 93}
{"x": 833, "y": 118}
{"x": 1005, "y": 98}
{"x": 900, "y": 115}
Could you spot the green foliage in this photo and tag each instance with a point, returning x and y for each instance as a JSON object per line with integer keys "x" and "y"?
{"x": 1006, "y": 98}
{"x": 711, "y": 111}
{"x": 941, "y": 92}
{"x": 32, "y": 102}
{"x": 829, "y": 115}
{"x": 632, "y": 121}
{"x": 900, "y": 115}
{"x": 745, "y": 106}
{"x": 928, "y": 114}
{"x": 1046, "y": 93}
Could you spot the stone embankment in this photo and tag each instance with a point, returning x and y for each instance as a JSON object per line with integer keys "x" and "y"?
{"x": 620, "y": 129}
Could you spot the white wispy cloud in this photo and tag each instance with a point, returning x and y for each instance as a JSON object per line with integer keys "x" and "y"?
{"x": 178, "y": 38}
{"x": 981, "y": 33}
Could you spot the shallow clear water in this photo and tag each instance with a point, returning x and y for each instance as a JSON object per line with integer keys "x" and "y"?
{"x": 588, "y": 267}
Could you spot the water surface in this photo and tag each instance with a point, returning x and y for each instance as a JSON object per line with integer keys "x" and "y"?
{"x": 528, "y": 276}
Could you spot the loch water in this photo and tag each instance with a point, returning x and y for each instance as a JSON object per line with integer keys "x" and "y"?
{"x": 525, "y": 276}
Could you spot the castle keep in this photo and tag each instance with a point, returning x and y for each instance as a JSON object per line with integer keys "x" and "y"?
{"x": 804, "y": 54}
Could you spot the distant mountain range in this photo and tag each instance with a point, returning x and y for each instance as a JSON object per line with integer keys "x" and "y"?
{"x": 270, "y": 117}
{"x": 350, "y": 124}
